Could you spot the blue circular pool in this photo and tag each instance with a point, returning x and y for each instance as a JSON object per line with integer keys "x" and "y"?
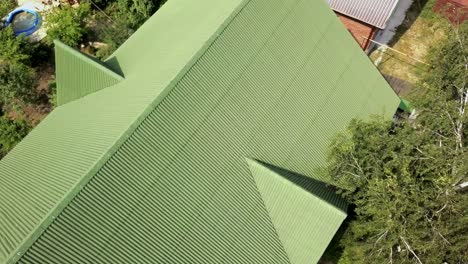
{"x": 23, "y": 21}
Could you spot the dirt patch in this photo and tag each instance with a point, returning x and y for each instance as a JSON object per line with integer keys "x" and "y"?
{"x": 35, "y": 113}
{"x": 45, "y": 77}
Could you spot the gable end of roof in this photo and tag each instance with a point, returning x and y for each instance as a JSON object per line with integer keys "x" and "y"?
{"x": 79, "y": 74}
{"x": 298, "y": 206}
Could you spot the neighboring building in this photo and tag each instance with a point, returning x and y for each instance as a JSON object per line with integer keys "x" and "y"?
{"x": 455, "y": 10}
{"x": 371, "y": 19}
{"x": 200, "y": 140}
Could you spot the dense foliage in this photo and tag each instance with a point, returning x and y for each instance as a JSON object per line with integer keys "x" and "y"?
{"x": 404, "y": 176}
{"x": 6, "y": 6}
{"x": 16, "y": 82}
{"x": 68, "y": 24}
{"x": 17, "y": 78}
{"x": 11, "y": 132}
{"x": 122, "y": 18}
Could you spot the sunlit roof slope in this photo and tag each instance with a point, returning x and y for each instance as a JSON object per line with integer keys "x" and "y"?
{"x": 304, "y": 211}
{"x": 79, "y": 75}
{"x": 153, "y": 169}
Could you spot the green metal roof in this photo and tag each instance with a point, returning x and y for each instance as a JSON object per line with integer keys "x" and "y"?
{"x": 405, "y": 106}
{"x": 79, "y": 75}
{"x": 306, "y": 214}
{"x": 152, "y": 169}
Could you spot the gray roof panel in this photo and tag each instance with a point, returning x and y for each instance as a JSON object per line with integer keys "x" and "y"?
{"x": 372, "y": 12}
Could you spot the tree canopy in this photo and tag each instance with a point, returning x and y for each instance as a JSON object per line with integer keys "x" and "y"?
{"x": 6, "y": 6}
{"x": 11, "y": 132}
{"x": 123, "y": 17}
{"x": 405, "y": 176}
{"x": 68, "y": 24}
{"x": 17, "y": 78}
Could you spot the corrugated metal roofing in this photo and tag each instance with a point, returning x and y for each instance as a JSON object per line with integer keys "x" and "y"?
{"x": 305, "y": 213}
{"x": 372, "y": 12}
{"x": 47, "y": 169}
{"x": 79, "y": 75}
{"x": 153, "y": 170}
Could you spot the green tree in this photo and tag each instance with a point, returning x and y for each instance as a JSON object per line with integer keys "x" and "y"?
{"x": 135, "y": 12}
{"x": 68, "y": 24}
{"x": 114, "y": 35}
{"x": 17, "y": 81}
{"x": 404, "y": 177}
{"x": 11, "y": 132}
{"x": 13, "y": 49}
{"x": 6, "y": 6}
{"x": 17, "y": 78}
{"x": 126, "y": 16}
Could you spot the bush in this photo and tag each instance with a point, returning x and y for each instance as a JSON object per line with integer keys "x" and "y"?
{"x": 12, "y": 48}
{"x": 11, "y": 133}
{"x": 68, "y": 24}
{"x": 53, "y": 93}
{"x": 6, "y": 6}
{"x": 114, "y": 36}
{"x": 17, "y": 78}
{"x": 127, "y": 16}
{"x": 17, "y": 81}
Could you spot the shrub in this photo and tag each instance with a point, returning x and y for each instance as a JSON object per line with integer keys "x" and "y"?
{"x": 11, "y": 133}
{"x": 68, "y": 24}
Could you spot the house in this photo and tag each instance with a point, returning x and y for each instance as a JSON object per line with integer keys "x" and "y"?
{"x": 200, "y": 140}
{"x": 369, "y": 19}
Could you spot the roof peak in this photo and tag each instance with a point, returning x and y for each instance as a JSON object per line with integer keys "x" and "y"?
{"x": 294, "y": 204}
{"x": 79, "y": 74}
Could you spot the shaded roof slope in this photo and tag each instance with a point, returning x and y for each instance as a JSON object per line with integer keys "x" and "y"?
{"x": 156, "y": 163}
{"x": 372, "y": 12}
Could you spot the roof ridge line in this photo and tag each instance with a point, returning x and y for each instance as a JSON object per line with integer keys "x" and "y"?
{"x": 249, "y": 162}
{"x": 49, "y": 218}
